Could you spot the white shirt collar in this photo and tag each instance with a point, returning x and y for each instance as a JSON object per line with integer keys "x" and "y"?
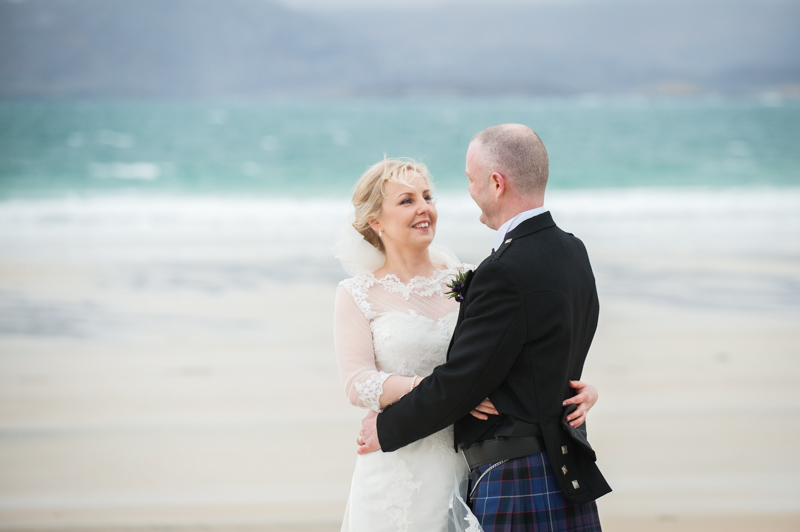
{"x": 500, "y": 235}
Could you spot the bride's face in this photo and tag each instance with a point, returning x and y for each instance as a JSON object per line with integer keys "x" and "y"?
{"x": 408, "y": 216}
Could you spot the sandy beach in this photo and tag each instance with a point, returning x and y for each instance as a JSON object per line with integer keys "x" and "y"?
{"x": 183, "y": 379}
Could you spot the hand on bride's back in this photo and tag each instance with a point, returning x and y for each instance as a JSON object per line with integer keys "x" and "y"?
{"x": 368, "y": 436}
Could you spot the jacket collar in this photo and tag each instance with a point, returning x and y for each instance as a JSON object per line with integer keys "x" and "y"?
{"x": 532, "y": 225}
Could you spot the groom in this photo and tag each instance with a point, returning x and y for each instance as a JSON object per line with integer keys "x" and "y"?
{"x": 524, "y": 329}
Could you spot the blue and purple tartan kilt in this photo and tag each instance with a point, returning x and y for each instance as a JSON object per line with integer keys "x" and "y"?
{"x": 521, "y": 495}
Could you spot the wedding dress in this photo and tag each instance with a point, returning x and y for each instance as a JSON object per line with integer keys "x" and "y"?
{"x": 385, "y": 327}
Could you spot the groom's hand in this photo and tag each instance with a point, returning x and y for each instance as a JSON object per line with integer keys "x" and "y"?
{"x": 368, "y": 437}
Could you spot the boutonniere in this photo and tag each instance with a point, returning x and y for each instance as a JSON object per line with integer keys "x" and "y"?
{"x": 458, "y": 285}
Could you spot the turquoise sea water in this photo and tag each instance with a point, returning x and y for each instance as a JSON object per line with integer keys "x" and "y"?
{"x": 319, "y": 148}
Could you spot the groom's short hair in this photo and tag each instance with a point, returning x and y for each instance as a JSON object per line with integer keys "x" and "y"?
{"x": 518, "y": 153}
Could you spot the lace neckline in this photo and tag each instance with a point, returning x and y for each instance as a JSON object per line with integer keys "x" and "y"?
{"x": 390, "y": 277}
{"x": 420, "y": 285}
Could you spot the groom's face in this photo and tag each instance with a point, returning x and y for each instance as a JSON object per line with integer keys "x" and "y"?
{"x": 479, "y": 180}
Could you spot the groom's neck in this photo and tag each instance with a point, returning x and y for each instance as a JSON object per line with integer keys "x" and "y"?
{"x": 514, "y": 206}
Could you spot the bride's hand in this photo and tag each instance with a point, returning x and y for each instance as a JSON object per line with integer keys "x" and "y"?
{"x": 585, "y": 398}
{"x": 484, "y": 410}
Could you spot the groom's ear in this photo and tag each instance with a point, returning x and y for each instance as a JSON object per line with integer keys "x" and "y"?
{"x": 498, "y": 182}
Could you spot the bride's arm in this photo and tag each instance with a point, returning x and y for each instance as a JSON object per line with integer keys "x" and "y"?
{"x": 395, "y": 387}
{"x": 364, "y": 384}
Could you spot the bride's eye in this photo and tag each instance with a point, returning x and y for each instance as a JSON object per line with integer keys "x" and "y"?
{"x": 429, "y": 199}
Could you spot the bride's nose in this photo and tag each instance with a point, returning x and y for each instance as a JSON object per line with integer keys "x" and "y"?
{"x": 424, "y": 207}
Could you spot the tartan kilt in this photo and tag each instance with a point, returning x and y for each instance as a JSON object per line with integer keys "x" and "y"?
{"x": 521, "y": 495}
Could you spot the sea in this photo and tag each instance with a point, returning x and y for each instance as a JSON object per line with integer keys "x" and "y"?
{"x": 271, "y": 180}
{"x": 313, "y": 149}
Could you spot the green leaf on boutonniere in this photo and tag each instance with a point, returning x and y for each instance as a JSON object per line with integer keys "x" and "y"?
{"x": 457, "y": 285}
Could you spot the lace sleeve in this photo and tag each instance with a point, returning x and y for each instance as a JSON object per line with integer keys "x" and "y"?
{"x": 355, "y": 355}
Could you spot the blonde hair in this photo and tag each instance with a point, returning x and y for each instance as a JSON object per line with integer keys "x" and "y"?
{"x": 371, "y": 189}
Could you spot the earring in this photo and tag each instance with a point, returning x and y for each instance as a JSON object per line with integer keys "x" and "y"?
{"x": 380, "y": 232}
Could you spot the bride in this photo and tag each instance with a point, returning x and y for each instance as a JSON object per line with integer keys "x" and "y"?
{"x": 392, "y": 325}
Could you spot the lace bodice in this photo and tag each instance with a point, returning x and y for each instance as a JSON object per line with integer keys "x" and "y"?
{"x": 385, "y": 327}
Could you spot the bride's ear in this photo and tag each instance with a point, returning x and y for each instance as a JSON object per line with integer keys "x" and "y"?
{"x": 375, "y": 225}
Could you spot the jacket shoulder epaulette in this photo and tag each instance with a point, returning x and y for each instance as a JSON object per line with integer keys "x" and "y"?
{"x": 497, "y": 254}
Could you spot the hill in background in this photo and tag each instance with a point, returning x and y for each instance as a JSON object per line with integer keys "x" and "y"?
{"x": 257, "y": 48}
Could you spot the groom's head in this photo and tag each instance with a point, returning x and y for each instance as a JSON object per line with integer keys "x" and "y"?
{"x": 507, "y": 167}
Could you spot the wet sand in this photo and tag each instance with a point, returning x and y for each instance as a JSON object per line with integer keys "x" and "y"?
{"x": 179, "y": 395}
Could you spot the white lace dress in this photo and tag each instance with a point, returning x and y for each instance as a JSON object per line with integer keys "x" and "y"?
{"x": 385, "y": 327}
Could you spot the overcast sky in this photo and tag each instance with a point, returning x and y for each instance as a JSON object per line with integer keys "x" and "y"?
{"x": 343, "y": 4}
{"x": 81, "y": 48}
{"x": 414, "y": 4}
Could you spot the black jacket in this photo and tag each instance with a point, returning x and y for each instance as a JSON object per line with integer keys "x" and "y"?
{"x": 523, "y": 331}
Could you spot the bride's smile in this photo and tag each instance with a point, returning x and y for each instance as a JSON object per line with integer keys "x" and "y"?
{"x": 408, "y": 215}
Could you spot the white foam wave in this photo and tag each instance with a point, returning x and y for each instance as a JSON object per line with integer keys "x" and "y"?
{"x": 168, "y": 228}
